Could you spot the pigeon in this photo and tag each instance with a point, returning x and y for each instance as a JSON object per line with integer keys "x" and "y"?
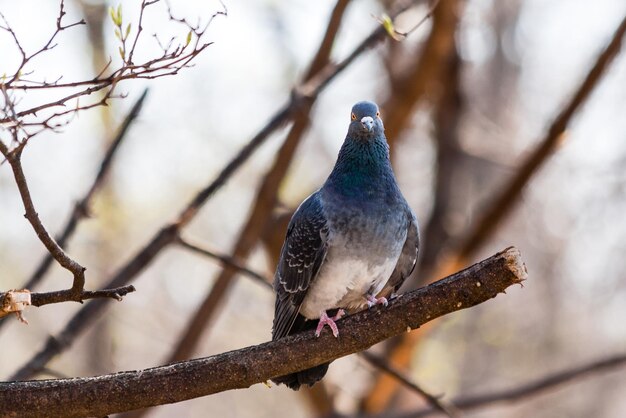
{"x": 349, "y": 246}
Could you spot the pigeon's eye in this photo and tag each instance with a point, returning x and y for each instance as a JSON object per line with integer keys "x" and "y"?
{"x": 353, "y": 116}
{"x": 377, "y": 114}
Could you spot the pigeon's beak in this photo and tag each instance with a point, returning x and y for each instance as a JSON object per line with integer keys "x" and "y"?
{"x": 367, "y": 122}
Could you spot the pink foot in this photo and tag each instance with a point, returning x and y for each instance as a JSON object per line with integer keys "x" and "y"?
{"x": 372, "y": 301}
{"x": 330, "y": 321}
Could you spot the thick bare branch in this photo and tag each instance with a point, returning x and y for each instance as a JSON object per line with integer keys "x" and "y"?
{"x": 102, "y": 395}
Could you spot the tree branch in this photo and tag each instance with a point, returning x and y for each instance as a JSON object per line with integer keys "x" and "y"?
{"x": 102, "y": 395}
{"x": 505, "y": 200}
{"x": 531, "y": 389}
{"x": 47, "y": 298}
{"x": 446, "y": 408}
{"x": 225, "y": 260}
{"x": 81, "y": 209}
{"x": 40, "y": 299}
{"x": 78, "y": 271}
{"x": 51, "y": 114}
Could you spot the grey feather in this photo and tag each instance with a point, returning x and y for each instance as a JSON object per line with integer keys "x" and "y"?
{"x": 408, "y": 258}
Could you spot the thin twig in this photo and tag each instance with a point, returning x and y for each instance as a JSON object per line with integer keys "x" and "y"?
{"x": 531, "y": 389}
{"x": 53, "y": 114}
{"x": 446, "y": 408}
{"x": 225, "y": 260}
{"x": 40, "y": 299}
{"x": 78, "y": 271}
{"x": 59, "y": 296}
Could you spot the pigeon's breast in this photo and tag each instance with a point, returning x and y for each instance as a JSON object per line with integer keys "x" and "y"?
{"x": 365, "y": 243}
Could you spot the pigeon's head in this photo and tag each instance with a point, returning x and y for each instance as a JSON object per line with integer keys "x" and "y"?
{"x": 365, "y": 121}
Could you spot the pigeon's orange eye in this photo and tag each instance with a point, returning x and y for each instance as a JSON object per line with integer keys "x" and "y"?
{"x": 353, "y": 116}
{"x": 377, "y": 114}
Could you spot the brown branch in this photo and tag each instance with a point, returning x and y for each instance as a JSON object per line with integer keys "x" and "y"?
{"x": 15, "y": 301}
{"x": 59, "y": 296}
{"x": 371, "y": 358}
{"x": 225, "y": 260}
{"x": 40, "y": 299}
{"x": 437, "y": 404}
{"x": 81, "y": 208}
{"x": 168, "y": 233}
{"x": 103, "y": 395}
{"x": 529, "y": 390}
{"x": 78, "y": 271}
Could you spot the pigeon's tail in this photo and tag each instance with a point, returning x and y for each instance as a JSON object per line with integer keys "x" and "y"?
{"x": 304, "y": 377}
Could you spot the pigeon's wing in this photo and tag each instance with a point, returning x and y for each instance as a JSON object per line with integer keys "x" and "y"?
{"x": 302, "y": 255}
{"x": 408, "y": 257}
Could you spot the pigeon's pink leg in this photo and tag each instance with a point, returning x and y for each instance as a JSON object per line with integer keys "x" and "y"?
{"x": 330, "y": 321}
{"x": 372, "y": 300}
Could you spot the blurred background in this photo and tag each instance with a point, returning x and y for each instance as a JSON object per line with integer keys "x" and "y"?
{"x": 466, "y": 98}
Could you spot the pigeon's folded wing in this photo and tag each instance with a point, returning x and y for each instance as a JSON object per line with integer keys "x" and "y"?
{"x": 302, "y": 255}
{"x": 408, "y": 257}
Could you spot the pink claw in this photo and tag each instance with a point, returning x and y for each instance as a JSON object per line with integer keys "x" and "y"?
{"x": 372, "y": 301}
{"x": 330, "y": 321}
